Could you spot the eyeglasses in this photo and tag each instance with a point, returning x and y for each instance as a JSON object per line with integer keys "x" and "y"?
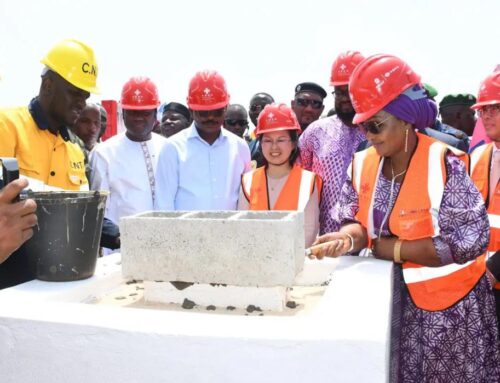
{"x": 278, "y": 142}
{"x": 490, "y": 110}
{"x": 315, "y": 104}
{"x": 208, "y": 113}
{"x": 372, "y": 126}
{"x": 233, "y": 122}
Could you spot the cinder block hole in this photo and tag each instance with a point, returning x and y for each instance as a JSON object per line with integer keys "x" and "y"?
{"x": 211, "y": 214}
{"x": 162, "y": 214}
{"x": 265, "y": 215}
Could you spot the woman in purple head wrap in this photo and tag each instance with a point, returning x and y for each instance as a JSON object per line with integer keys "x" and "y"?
{"x": 413, "y": 106}
{"x": 410, "y": 201}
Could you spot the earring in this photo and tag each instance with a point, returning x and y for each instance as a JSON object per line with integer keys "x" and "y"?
{"x": 406, "y": 141}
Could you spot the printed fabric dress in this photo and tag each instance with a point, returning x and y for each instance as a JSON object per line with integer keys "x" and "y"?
{"x": 460, "y": 344}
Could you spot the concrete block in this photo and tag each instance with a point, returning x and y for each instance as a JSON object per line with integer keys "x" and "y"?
{"x": 237, "y": 248}
{"x": 265, "y": 298}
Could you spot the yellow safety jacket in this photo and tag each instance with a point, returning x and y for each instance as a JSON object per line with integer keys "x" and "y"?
{"x": 47, "y": 160}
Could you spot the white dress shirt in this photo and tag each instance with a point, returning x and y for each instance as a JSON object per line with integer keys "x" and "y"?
{"x": 194, "y": 175}
{"x": 118, "y": 166}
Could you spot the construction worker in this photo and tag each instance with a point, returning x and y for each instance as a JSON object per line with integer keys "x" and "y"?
{"x": 200, "y": 167}
{"x": 485, "y": 171}
{"x": 37, "y": 135}
{"x": 327, "y": 146}
{"x": 125, "y": 164}
{"x": 430, "y": 221}
{"x": 281, "y": 184}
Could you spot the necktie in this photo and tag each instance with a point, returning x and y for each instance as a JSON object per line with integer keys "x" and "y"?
{"x": 495, "y": 171}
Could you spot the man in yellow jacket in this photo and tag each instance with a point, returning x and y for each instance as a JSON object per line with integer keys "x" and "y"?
{"x": 37, "y": 135}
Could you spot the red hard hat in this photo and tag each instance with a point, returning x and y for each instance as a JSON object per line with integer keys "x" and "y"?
{"x": 207, "y": 91}
{"x": 343, "y": 66}
{"x": 140, "y": 93}
{"x": 276, "y": 117}
{"x": 377, "y": 81}
{"x": 489, "y": 92}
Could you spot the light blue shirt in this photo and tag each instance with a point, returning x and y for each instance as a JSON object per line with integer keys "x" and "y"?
{"x": 193, "y": 175}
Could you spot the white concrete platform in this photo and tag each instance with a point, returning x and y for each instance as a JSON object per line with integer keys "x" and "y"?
{"x": 48, "y": 335}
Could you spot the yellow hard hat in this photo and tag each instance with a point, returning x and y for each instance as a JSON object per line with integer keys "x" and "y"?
{"x": 75, "y": 62}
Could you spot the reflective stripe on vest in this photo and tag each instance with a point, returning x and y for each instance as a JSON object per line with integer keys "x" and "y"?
{"x": 419, "y": 211}
{"x": 415, "y": 216}
{"x": 494, "y": 222}
{"x": 295, "y": 194}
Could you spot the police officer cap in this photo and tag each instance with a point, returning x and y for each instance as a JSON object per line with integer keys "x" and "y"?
{"x": 310, "y": 87}
{"x": 178, "y": 108}
{"x": 457, "y": 99}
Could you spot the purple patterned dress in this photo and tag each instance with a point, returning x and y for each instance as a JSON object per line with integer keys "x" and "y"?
{"x": 326, "y": 148}
{"x": 460, "y": 344}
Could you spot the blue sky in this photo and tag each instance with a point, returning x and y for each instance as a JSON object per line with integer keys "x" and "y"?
{"x": 256, "y": 45}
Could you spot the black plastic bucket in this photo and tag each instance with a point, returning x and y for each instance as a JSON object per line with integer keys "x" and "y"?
{"x": 65, "y": 243}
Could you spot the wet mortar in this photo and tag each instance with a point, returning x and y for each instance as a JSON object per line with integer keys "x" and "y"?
{"x": 131, "y": 295}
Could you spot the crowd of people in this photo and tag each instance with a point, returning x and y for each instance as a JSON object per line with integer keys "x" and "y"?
{"x": 380, "y": 175}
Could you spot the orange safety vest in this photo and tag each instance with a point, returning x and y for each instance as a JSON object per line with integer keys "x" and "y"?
{"x": 415, "y": 216}
{"x": 295, "y": 194}
{"x": 480, "y": 174}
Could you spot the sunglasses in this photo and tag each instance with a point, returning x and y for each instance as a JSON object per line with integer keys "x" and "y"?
{"x": 208, "y": 113}
{"x": 372, "y": 126}
{"x": 256, "y": 107}
{"x": 315, "y": 104}
{"x": 233, "y": 122}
